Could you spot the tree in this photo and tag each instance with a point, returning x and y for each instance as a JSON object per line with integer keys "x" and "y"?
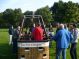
{"x": 9, "y": 16}
{"x": 28, "y": 21}
{"x": 18, "y": 16}
{"x": 45, "y": 13}
{"x": 12, "y": 17}
{"x": 1, "y": 20}
{"x": 65, "y": 11}
{"x": 72, "y": 12}
{"x": 28, "y": 13}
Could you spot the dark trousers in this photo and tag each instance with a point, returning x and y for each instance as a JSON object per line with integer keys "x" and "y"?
{"x": 73, "y": 52}
{"x": 15, "y": 46}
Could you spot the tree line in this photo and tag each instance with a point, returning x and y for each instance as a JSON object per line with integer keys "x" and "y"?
{"x": 63, "y": 12}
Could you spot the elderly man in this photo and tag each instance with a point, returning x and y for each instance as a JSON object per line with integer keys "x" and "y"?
{"x": 62, "y": 38}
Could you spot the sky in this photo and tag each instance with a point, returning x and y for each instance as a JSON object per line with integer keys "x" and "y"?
{"x": 31, "y": 5}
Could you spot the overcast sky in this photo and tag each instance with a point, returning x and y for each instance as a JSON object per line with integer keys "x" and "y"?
{"x": 25, "y": 5}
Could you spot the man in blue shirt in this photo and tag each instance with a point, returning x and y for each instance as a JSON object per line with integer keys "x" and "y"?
{"x": 62, "y": 38}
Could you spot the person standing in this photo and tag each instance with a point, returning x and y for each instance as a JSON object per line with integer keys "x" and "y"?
{"x": 11, "y": 30}
{"x": 62, "y": 39}
{"x": 74, "y": 42}
{"x": 15, "y": 38}
{"x": 50, "y": 34}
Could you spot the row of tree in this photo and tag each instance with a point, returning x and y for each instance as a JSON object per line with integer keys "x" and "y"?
{"x": 10, "y": 16}
{"x": 14, "y": 17}
{"x": 65, "y": 12}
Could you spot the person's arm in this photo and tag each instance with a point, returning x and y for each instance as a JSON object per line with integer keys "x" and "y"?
{"x": 51, "y": 36}
{"x": 56, "y": 36}
{"x": 76, "y": 35}
{"x": 69, "y": 37}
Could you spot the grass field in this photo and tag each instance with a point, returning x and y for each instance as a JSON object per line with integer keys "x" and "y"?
{"x": 6, "y": 50}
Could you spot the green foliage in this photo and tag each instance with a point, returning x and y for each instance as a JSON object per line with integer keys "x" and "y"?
{"x": 2, "y": 22}
{"x": 28, "y": 21}
{"x": 28, "y": 13}
{"x": 46, "y": 14}
{"x": 12, "y": 16}
{"x": 1, "y": 19}
{"x": 65, "y": 11}
{"x": 8, "y": 16}
{"x": 18, "y": 16}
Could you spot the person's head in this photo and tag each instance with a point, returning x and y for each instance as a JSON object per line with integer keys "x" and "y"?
{"x": 70, "y": 26}
{"x": 61, "y": 26}
{"x": 18, "y": 28}
{"x": 74, "y": 25}
{"x": 12, "y": 27}
{"x": 34, "y": 25}
{"x": 37, "y": 25}
{"x": 57, "y": 25}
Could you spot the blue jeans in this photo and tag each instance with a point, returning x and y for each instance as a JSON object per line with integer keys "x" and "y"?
{"x": 59, "y": 51}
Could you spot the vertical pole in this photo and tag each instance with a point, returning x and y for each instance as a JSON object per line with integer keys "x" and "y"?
{"x": 44, "y": 26}
{"x": 22, "y": 24}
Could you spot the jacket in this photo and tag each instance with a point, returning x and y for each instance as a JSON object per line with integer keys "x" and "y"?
{"x": 63, "y": 38}
{"x": 38, "y": 33}
{"x": 75, "y": 35}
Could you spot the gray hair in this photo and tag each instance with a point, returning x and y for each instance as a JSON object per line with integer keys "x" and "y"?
{"x": 62, "y": 26}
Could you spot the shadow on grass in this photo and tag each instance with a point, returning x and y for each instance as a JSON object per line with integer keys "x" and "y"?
{"x": 6, "y": 52}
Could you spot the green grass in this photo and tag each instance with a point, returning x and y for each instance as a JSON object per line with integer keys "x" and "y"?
{"x": 6, "y": 50}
